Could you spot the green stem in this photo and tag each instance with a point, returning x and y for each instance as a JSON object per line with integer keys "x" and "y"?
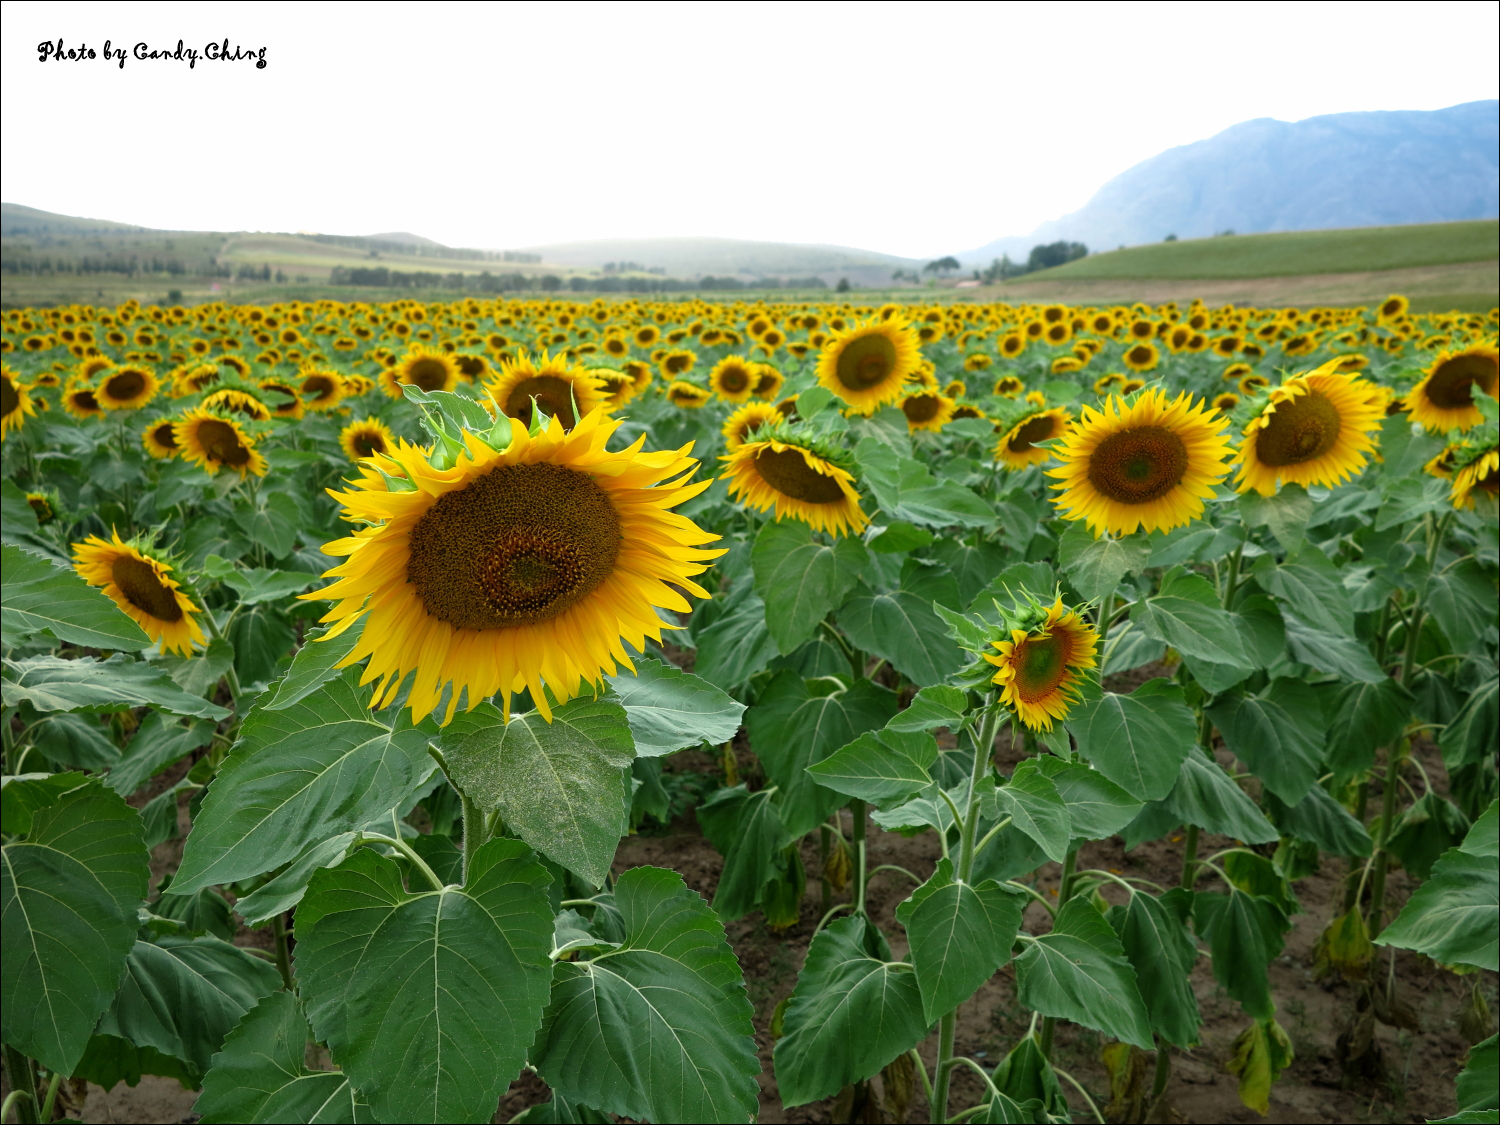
{"x": 1351, "y": 880}
{"x": 1232, "y": 580}
{"x": 22, "y": 1081}
{"x": 283, "y": 952}
{"x": 858, "y": 809}
{"x": 940, "y": 1080}
{"x": 473, "y": 832}
{"x": 1163, "y": 1068}
{"x": 406, "y": 850}
{"x": 230, "y": 675}
{"x": 1189, "y": 858}
{"x": 921, "y": 1067}
{"x": 51, "y": 1098}
{"x": 1387, "y": 814}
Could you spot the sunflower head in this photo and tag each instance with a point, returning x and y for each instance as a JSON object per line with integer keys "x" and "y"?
{"x": 428, "y": 369}
{"x": 1009, "y": 386}
{"x": 1042, "y": 665}
{"x": 1141, "y": 356}
{"x": 82, "y": 401}
{"x": 747, "y": 420}
{"x": 1444, "y": 399}
{"x": 1478, "y": 478}
{"x": 215, "y": 441}
{"x": 44, "y": 504}
{"x": 734, "y": 378}
{"x": 549, "y": 384}
{"x": 927, "y": 410}
{"x": 127, "y": 388}
{"x": 366, "y": 438}
{"x": 796, "y": 476}
{"x": 1019, "y": 444}
{"x": 232, "y": 400}
{"x": 617, "y": 387}
{"x": 160, "y": 440}
{"x": 140, "y": 581}
{"x": 867, "y": 364}
{"x": 16, "y": 405}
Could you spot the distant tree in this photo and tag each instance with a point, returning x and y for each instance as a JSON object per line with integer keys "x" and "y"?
{"x": 174, "y": 296}
{"x": 943, "y": 266}
{"x": 1054, "y": 254}
{"x": 1227, "y": 233}
{"x": 551, "y": 283}
{"x": 1170, "y": 238}
{"x": 843, "y": 285}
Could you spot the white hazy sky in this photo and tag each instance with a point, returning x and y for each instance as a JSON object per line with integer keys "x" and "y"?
{"x": 915, "y": 129}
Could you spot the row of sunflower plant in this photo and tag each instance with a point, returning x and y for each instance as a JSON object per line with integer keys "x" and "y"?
{"x": 930, "y": 533}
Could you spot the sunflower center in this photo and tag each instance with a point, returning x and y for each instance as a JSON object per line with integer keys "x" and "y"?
{"x": 429, "y": 374}
{"x": 1452, "y": 384}
{"x": 553, "y": 395}
{"x": 520, "y": 544}
{"x": 922, "y": 408}
{"x": 86, "y": 400}
{"x": 1302, "y": 429}
{"x": 471, "y": 366}
{"x": 788, "y": 472}
{"x": 866, "y": 362}
{"x": 1138, "y": 465}
{"x": 164, "y": 435}
{"x": 1040, "y": 664}
{"x": 10, "y": 398}
{"x": 1031, "y": 432}
{"x": 318, "y": 386}
{"x": 734, "y": 379}
{"x": 369, "y": 444}
{"x": 138, "y": 582}
{"x": 222, "y": 443}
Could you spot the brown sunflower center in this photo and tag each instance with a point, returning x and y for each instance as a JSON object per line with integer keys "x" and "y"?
{"x": 318, "y": 387}
{"x": 734, "y": 378}
{"x": 921, "y": 408}
{"x": 553, "y": 395}
{"x": 1452, "y": 384}
{"x": 1029, "y": 433}
{"x": 788, "y": 472}
{"x": 1301, "y": 430}
{"x": 470, "y": 366}
{"x": 1040, "y": 664}
{"x": 369, "y": 443}
{"x": 518, "y": 545}
{"x": 1138, "y": 465}
{"x": 164, "y": 435}
{"x": 1139, "y": 355}
{"x": 85, "y": 400}
{"x": 676, "y": 364}
{"x": 10, "y": 398}
{"x": 221, "y": 442}
{"x": 429, "y": 374}
{"x": 137, "y": 580}
{"x": 767, "y": 383}
{"x": 866, "y": 362}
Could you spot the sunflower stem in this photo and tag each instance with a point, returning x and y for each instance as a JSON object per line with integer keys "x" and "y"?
{"x": 22, "y": 1079}
{"x": 231, "y": 677}
{"x": 283, "y": 951}
{"x": 473, "y": 831}
{"x": 858, "y": 810}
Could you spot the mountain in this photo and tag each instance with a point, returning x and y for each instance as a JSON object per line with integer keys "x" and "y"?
{"x": 404, "y": 238}
{"x": 18, "y": 220}
{"x": 1340, "y": 170}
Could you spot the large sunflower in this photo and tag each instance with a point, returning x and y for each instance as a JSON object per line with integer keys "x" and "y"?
{"x": 142, "y": 586}
{"x": 795, "y": 482}
{"x": 1444, "y": 399}
{"x": 1481, "y": 476}
{"x": 15, "y": 404}
{"x": 422, "y": 367}
{"x": 1148, "y": 464}
{"x": 366, "y": 438}
{"x": 127, "y": 388}
{"x": 927, "y": 410}
{"x": 521, "y": 567}
{"x": 733, "y": 378}
{"x": 1314, "y": 430}
{"x": 746, "y": 420}
{"x": 1018, "y": 447}
{"x": 867, "y": 364}
{"x": 558, "y": 389}
{"x": 214, "y": 442}
{"x": 1041, "y": 669}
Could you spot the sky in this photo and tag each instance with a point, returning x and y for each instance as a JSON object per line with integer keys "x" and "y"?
{"x": 916, "y": 130}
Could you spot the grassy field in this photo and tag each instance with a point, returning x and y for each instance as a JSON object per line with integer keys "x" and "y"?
{"x": 1293, "y": 253}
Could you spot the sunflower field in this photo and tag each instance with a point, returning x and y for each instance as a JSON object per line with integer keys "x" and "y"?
{"x": 359, "y": 659}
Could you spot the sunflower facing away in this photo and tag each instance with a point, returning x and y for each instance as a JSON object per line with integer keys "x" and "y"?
{"x": 81, "y": 402}
{"x": 558, "y": 389}
{"x": 1041, "y": 669}
{"x": 230, "y": 400}
{"x": 1018, "y": 448}
{"x": 143, "y": 587}
{"x": 1444, "y": 399}
{"x": 517, "y": 568}
{"x": 15, "y": 404}
{"x": 1148, "y": 464}
{"x": 867, "y": 364}
{"x": 366, "y": 438}
{"x": 733, "y": 378}
{"x": 214, "y": 442}
{"x": 745, "y": 421}
{"x": 421, "y": 367}
{"x": 768, "y": 381}
{"x": 1314, "y": 430}
{"x": 795, "y": 482}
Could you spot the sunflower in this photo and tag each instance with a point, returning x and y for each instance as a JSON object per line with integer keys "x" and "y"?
{"x": 293, "y": 407}
{"x": 422, "y": 367}
{"x": 867, "y": 364}
{"x": 1252, "y": 384}
{"x": 977, "y": 361}
{"x": 160, "y": 439}
{"x": 733, "y": 378}
{"x": 236, "y": 363}
{"x": 214, "y": 442}
{"x": 1141, "y": 356}
{"x": 1130, "y": 386}
{"x": 1041, "y": 669}
{"x": 617, "y": 387}
{"x": 927, "y": 410}
{"x": 1226, "y": 401}
{"x": 1012, "y": 344}
{"x": 1018, "y": 448}
{"x": 677, "y": 362}
{"x": 1444, "y": 399}
{"x": 646, "y": 335}
{"x": 796, "y": 482}
{"x": 1009, "y": 386}
{"x": 968, "y": 410}
{"x": 81, "y": 401}
{"x": 518, "y": 568}
{"x": 16, "y": 404}
{"x": 689, "y": 396}
{"x": 1066, "y": 365}
{"x": 955, "y": 388}
{"x": 1237, "y": 371}
{"x": 1481, "y": 476}
{"x": 557, "y": 388}
{"x": 1107, "y": 383}
{"x": 366, "y": 438}
{"x": 142, "y": 586}
{"x": 768, "y": 381}
{"x": 745, "y": 421}
{"x": 92, "y": 366}
{"x": 43, "y": 505}
{"x": 1147, "y": 464}
{"x": 321, "y": 389}
{"x": 1036, "y": 398}
{"x": 1392, "y": 308}
{"x": 191, "y": 378}
{"x": 1442, "y": 465}
{"x": 237, "y": 402}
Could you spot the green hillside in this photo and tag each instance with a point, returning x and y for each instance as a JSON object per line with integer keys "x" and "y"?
{"x": 1293, "y": 253}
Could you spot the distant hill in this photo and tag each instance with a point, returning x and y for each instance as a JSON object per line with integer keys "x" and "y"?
{"x": 694, "y": 257}
{"x": 404, "y": 238}
{"x": 16, "y": 220}
{"x": 1340, "y": 170}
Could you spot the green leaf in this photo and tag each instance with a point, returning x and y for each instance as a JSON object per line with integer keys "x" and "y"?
{"x": 312, "y": 667}
{"x": 207, "y": 912}
{"x": 852, "y": 1012}
{"x": 1339, "y": 656}
{"x": 323, "y": 766}
{"x": 200, "y": 673}
{"x": 1428, "y": 828}
{"x": 272, "y": 522}
{"x": 1159, "y": 948}
{"x": 261, "y": 1074}
{"x": 181, "y": 996}
{"x": 1187, "y": 616}
{"x": 801, "y": 580}
{"x": 973, "y": 567}
{"x": 1036, "y": 808}
{"x": 557, "y": 785}
{"x": 285, "y": 891}
{"x": 1204, "y": 795}
{"x": 1029, "y": 1090}
{"x": 1244, "y": 933}
{"x": 746, "y": 829}
{"x": 1484, "y": 837}
{"x": 932, "y": 707}
{"x": 39, "y": 597}
{"x": 1454, "y": 916}
{"x": 669, "y": 709}
{"x": 1130, "y": 648}
{"x": 1321, "y": 820}
{"x": 960, "y": 936}
{"x": 1461, "y": 599}
{"x": 157, "y": 743}
{"x": 899, "y": 538}
{"x": 444, "y": 989}
{"x": 1278, "y": 734}
{"x": 737, "y": 645}
{"x": 1475, "y": 730}
{"x": 1078, "y": 972}
{"x": 261, "y": 584}
{"x": 1362, "y": 717}
{"x": 49, "y": 683}
{"x": 791, "y": 729}
{"x": 1286, "y": 513}
{"x": 1095, "y": 566}
{"x": 658, "y": 1029}
{"x": 110, "y": 1060}
{"x": 75, "y": 740}
{"x": 1097, "y": 807}
{"x": 1478, "y": 1087}
{"x": 879, "y": 766}
{"x": 1138, "y": 741}
{"x": 903, "y": 629}
{"x": 1311, "y": 587}
{"x": 71, "y": 890}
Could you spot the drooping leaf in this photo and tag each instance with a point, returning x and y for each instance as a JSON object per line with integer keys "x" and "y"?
{"x": 49, "y": 683}
{"x": 1363, "y": 717}
{"x": 746, "y": 829}
{"x": 1321, "y": 820}
{"x": 1286, "y": 513}
{"x": 158, "y": 742}
{"x": 669, "y": 709}
{"x": 1097, "y": 807}
{"x": 1478, "y": 1087}
{"x": 737, "y": 645}
{"x": 1484, "y": 836}
{"x": 802, "y": 579}
{"x": 110, "y": 1060}
{"x": 282, "y": 893}
{"x": 1138, "y": 741}
{"x": 40, "y": 597}
{"x": 1475, "y": 730}
{"x": 1186, "y": 615}
{"x": 262, "y": 584}
{"x": 75, "y": 740}
{"x": 1333, "y": 653}
{"x": 1276, "y": 733}
{"x": 1036, "y": 808}
{"x": 206, "y": 912}
{"x": 1311, "y": 587}
{"x": 1095, "y": 566}
{"x": 1244, "y": 932}
{"x": 1429, "y": 827}
{"x": 1157, "y": 945}
{"x": 1461, "y": 599}
{"x": 904, "y": 629}
{"x": 1453, "y": 917}
{"x": 1204, "y": 795}
{"x": 1261, "y": 1052}
{"x": 879, "y": 766}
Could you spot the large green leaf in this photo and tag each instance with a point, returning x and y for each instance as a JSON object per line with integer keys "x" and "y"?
{"x": 261, "y": 1074}
{"x": 1186, "y": 615}
{"x": 960, "y": 935}
{"x": 1159, "y": 948}
{"x": 271, "y": 521}
{"x": 428, "y": 1000}
{"x": 1079, "y": 972}
{"x": 746, "y": 829}
{"x": 1206, "y": 796}
{"x": 110, "y": 1060}
{"x": 159, "y": 741}
{"x": 852, "y": 1012}
{"x": 76, "y": 740}
{"x": 71, "y": 891}
{"x": 791, "y": 729}
{"x": 802, "y": 579}
{"x": 1097, "y": 807}
{"x": 50, "y": 683}
{"x": 668, "y": 709}
{"x": 1333, "y": 653}
{"x": 322, "y": 766}
{"x": 1321, "y": 820}
{"x": 1484, "y": 836}
{"x": 1478, "y": 1087}
{"x": 879, "y": 766}
{"x": 932, "y": 707}
{"x": 1278, "y": 734}
{"x": 1361, "y": 717}
{"x": 1244, "y": 933}
{"x": 736, "y": 645}
{"x": 261, "y": 584}
{"x": 1311, "y": 587}
{"x": 903, "y": 628}
{"x": 1138, "y": 741}
{"x": 1036, "y": 808}
{"x": 40, "y": 597}
{"x": 181, "y": 996}
{"x": 312, "y": 667}
{"x": 558, "y": 785}
{"x": 1475, "y": 730}
{"x": 1286, "y": 513}
{"x": 657, "y": 1029}
{"x": 1429, "y": 827}
{"x": 1453, "y": 917}
{"x": 280, "y": 894}
{"x": 1095, "y": 566}
{"x": 1461, "y": 599}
